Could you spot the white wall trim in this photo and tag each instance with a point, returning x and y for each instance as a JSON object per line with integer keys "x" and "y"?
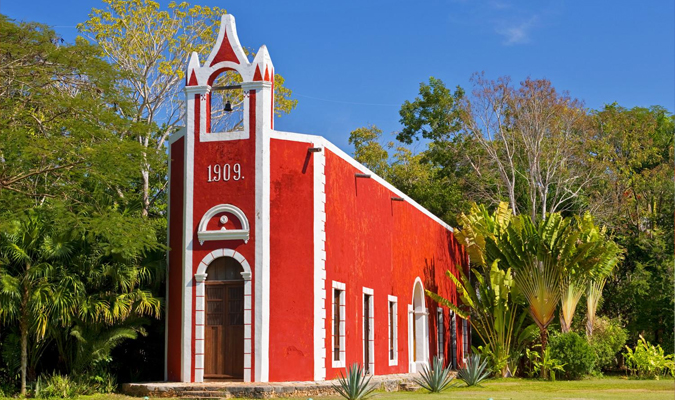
{"x": 465, "y": 340}
{"x": 319, "y": 200}
{"x": 441, "y": 340}
{"x": 411, "y": 362}
{"x": 371, "y": 331}
{"x": 223, "y": 234}
{"x": 224, "y": 136}
{"x": 321, "y": 141}
{"x": 394, "y": 300}
{"x": 262, "y": 226}
{"x": 168, "y": 267}
{"x": 187, "y": 286}
{"x": 200, "y": 310}
{"x": 420, "y": 314}
{"x": 340, "y": 363}
{"x": 177, "y": 135}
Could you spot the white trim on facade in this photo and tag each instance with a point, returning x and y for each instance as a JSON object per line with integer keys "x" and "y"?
{"x": 421, "y": 334}
{"x": 392, "y": 300}
{"x": 371, "y": 331}
{"x": 188, "y": 204}
{"x": 411, "y": 362}
{"x": 263, "y": 95}
{"x": 232, "y": 234}
{"x": 168, "y": 266}
{"x": 177, "y": 135}
{"x": 319, "y": 193}
{"x": 200, "y": 310}
{"x": 224, "y": 136}
{"x": 465, "y": 340}
{"x": 342, "y": 356}
{"x": 440, "y": 334}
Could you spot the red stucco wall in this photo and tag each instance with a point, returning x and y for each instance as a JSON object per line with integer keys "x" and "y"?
{"x": 291, "y": 262}
{"x": 174, "y": 283}
{"x": 374, "y": 242}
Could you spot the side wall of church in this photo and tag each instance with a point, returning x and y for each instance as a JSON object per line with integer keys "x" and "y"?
{"x": 382, "y": 245}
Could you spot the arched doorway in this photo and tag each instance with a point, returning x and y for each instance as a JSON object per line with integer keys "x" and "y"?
{"x": 419, "y": 337}
{"x": 224, "y": 327}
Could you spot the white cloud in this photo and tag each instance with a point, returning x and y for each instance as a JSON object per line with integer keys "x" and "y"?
{"x": 518, "y": 33}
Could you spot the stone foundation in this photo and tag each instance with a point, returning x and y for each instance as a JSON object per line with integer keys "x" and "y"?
{"x": 227, "y": 390}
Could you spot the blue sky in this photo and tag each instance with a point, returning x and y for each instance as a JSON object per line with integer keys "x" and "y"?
{"x": 353, "y": 63}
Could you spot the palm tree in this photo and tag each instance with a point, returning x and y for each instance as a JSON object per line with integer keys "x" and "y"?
{"x": 594, "y": 259}
{"x": 538, "y": 255}
{"x": 553, "y": 260}
{"x": 491, "y": 298}
{"x": 27, "y": 253}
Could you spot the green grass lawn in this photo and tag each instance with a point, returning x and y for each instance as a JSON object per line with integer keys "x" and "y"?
{"x": 517, "y": 389}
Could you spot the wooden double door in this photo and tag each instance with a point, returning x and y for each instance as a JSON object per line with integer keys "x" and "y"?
{"x": 224, "y": 344}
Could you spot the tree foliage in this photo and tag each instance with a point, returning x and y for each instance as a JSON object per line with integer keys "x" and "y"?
{"x": 73, "y": 243}
{"x": 60, "y": 119}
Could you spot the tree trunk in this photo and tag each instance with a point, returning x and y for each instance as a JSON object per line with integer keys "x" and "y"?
{"x": 146, "y": 190}
{"x": 564, "y": 327}
{"x": 543, "y": 335}
{"x": 23, "y": 327}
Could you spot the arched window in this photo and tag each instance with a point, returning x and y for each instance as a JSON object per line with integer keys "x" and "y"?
{"x": 224, "y": 269}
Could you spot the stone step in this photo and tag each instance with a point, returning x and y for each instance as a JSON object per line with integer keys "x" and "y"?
{"x": 205, "y": 394}
{"x": 409, "y": 386}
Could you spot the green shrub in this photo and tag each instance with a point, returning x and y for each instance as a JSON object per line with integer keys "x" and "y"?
{"x": 648, "y": 361}
{"x": 64, "y": 386}
{"x": 435, "y": 379}
{"x": 607, "y": 341}
{"x": 546, "y": 365}
{"x": 575, "y": 353}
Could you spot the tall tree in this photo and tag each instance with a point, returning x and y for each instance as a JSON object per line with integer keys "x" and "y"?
{"x": 60, "y": 119}
{"x": 597, "y": 257}
{"x": 150, "y": 45}
{"x": 634, "y": 198}
{"x": 536, "y": 138}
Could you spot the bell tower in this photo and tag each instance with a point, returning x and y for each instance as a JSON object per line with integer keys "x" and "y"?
{"x": 219, "y": 208}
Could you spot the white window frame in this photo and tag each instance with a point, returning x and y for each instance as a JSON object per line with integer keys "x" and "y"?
{"x": 340, "y": 362}
{"x": 440, "y": 334}
{"x": 465, "y": 339}
{"x": 371, "y": 323}
{"x": 454, "y": 356}
{"x": 394, "y": 300}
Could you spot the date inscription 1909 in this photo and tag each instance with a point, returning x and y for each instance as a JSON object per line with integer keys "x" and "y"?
{"x": 224, "y": 172}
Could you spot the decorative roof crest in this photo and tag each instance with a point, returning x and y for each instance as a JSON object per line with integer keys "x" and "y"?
{"x": 229, "y": 55}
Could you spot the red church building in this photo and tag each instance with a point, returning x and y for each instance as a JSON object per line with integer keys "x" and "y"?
{"x": 289, "y": 260}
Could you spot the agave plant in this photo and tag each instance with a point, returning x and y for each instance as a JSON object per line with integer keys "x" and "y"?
{"x": 474, "y": 371}
{"x": 435, "y": 379}
{"x": 354, "y": 386}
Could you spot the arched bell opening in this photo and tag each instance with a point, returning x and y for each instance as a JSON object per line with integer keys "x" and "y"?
{"x": 226, "y": 103}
